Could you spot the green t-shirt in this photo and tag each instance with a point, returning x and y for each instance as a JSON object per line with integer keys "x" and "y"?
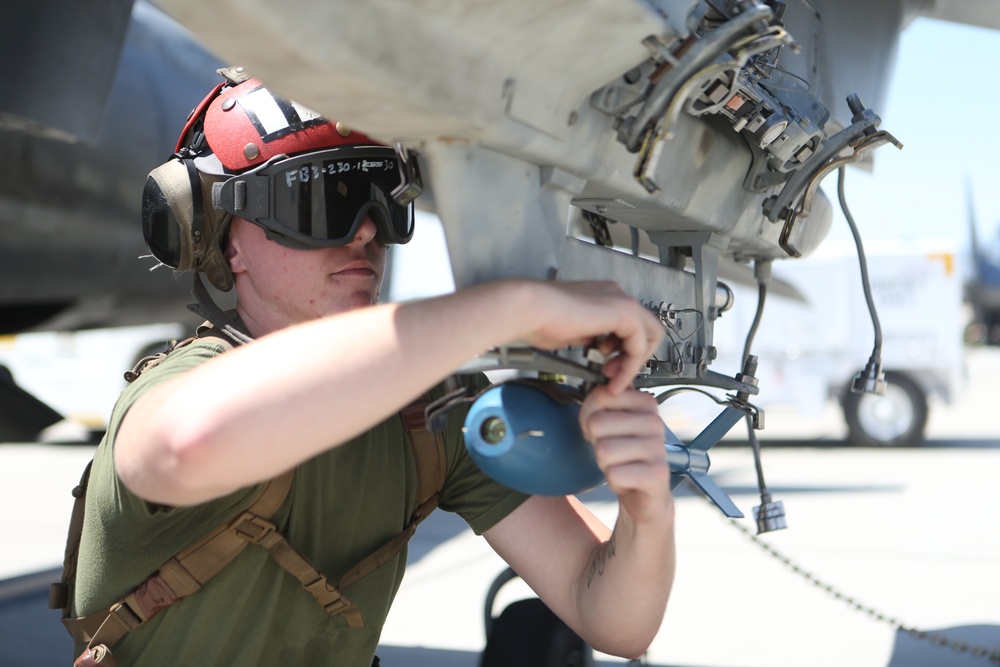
{"x": 343, "y": 504}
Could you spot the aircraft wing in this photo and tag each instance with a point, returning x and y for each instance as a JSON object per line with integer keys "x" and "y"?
{"x": 95, "y": 96}
{"x": 483, "y": 94}
{"x": 702, "y": 127}
{"x": 46, "y": 82}
{"x": 699, "y": 129}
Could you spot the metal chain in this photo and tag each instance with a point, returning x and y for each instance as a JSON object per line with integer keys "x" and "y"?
{"x": 936, "y": 638}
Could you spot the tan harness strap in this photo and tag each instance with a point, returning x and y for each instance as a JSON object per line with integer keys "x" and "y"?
{"x": 59, "y": 593}
{"x": 190, "y": 569}
{"x": 384, "y": 553}
{"x": 206, "y": 557}
{"x": 253, "y": 529}
{"x": 182, "y": 575}
{"x": 432, "y": 469}
{"x": 428, "y": 450}
{"x": 429, "y": 456}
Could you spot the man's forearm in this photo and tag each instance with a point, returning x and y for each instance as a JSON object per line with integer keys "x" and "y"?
{"x": 274, "y": 403}
{"x": 270, "y": 405}
{"x": 623, "y": 590}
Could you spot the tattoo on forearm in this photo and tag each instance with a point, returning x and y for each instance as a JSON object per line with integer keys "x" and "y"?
{"x": 605, "y": 553}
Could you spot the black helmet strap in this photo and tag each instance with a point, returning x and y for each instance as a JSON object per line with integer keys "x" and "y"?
{"x": 207, "y": 308}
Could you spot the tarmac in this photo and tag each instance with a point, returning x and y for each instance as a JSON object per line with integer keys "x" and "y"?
{"x": 882, "y": 545}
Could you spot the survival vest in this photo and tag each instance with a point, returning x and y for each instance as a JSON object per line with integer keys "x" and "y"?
{"x": 194, "y": 566}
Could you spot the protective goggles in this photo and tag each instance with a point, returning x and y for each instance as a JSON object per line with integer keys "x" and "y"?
{"x": 320, "y": 199}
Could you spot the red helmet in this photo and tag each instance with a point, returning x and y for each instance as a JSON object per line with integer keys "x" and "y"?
{"x": 247, "y": 152}
{"x": 245, "y": 125}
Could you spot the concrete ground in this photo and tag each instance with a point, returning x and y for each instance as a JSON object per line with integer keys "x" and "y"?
{"x": 911, "y": 535}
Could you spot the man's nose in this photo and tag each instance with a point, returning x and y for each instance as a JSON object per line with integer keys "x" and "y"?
{"x": 366, "y": 232}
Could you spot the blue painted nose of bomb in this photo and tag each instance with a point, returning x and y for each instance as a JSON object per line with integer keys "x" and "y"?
{"x": 523, "y": 438}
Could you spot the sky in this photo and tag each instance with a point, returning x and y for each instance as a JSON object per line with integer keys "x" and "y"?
{"x": 939, "y": 105}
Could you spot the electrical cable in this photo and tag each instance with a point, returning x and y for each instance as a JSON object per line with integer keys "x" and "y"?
{"x": 763, "y": 276}
{"x": 871, "y": 379}
{"x": 862, "y": 262}
{"x": 752, "y": 333}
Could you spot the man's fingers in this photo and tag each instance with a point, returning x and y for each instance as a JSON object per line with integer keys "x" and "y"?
{"x": 597, "y": 313}
{"x": 638, "y": 476}
{"x": 615, "y": 451}
{"x": 636, "y": 348}
{"x": 628, "y": 438}
{"x": 603, "y": 398}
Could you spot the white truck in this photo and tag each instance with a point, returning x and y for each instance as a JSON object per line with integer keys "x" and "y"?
{"x": 810, "y": 350}
{"x": 73, "y": 375}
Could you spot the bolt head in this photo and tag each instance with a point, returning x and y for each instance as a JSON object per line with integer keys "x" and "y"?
{"x": 493, "y": 430}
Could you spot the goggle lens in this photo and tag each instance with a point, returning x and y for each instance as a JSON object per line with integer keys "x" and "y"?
{"x": 320, "y": 200}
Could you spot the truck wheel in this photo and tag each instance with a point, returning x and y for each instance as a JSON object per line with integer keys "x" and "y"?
{"x": 897, "y": 418}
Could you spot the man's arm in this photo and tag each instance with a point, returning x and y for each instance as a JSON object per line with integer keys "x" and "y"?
{"x": 610, "y": 587}
{"x": 269, "y": 405}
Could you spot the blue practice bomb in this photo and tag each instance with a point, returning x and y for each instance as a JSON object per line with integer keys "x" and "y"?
{"x": 529, "y": 439}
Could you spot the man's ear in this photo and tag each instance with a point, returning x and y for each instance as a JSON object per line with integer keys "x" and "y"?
{"x": 231, "y": 251}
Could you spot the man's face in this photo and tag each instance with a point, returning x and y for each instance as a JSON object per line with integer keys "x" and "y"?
{"x": 279, "y": 286}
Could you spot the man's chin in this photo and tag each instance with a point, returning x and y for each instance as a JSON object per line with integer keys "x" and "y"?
{"x": 360, "y": 299}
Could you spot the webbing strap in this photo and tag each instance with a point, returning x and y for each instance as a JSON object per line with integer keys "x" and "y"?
{"x": 264, "y": 533}
{"x": 190, "y": 569}
{"x": 182, "y": 575}
{"x": 59, "y": 593}
{"x": 429, "y": 455}
{"x": 428, "y": 451}
{"x": 206, "y": 557}
{"x": 387, "y": 551}
{"x": 222, "y": 323}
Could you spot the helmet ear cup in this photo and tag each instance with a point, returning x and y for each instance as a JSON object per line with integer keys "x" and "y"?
{"x": 178, "y": 228}
{"x": 168, "y": 215}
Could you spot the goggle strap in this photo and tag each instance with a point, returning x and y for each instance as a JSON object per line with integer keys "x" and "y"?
{"x": 231, "y": 196}
{"x": 237, "y": 201}
{"x": 410, "y": 184}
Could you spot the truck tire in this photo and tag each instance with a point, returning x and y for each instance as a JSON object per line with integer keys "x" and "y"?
{"x": 528, "y": 634}
{"x": 896, "y": 419}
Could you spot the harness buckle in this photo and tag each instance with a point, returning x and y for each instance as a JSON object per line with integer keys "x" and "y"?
{"x": 125, "y": 616}
{"x": 251, "y": 527}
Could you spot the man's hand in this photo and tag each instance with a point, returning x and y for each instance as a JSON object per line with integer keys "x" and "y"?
{"x": 584, "y": 313}
{"x": 610, "y": 587}
{"x": 628, "y": 437}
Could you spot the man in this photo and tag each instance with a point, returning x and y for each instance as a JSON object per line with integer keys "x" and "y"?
{"x": 193, "y": 440}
